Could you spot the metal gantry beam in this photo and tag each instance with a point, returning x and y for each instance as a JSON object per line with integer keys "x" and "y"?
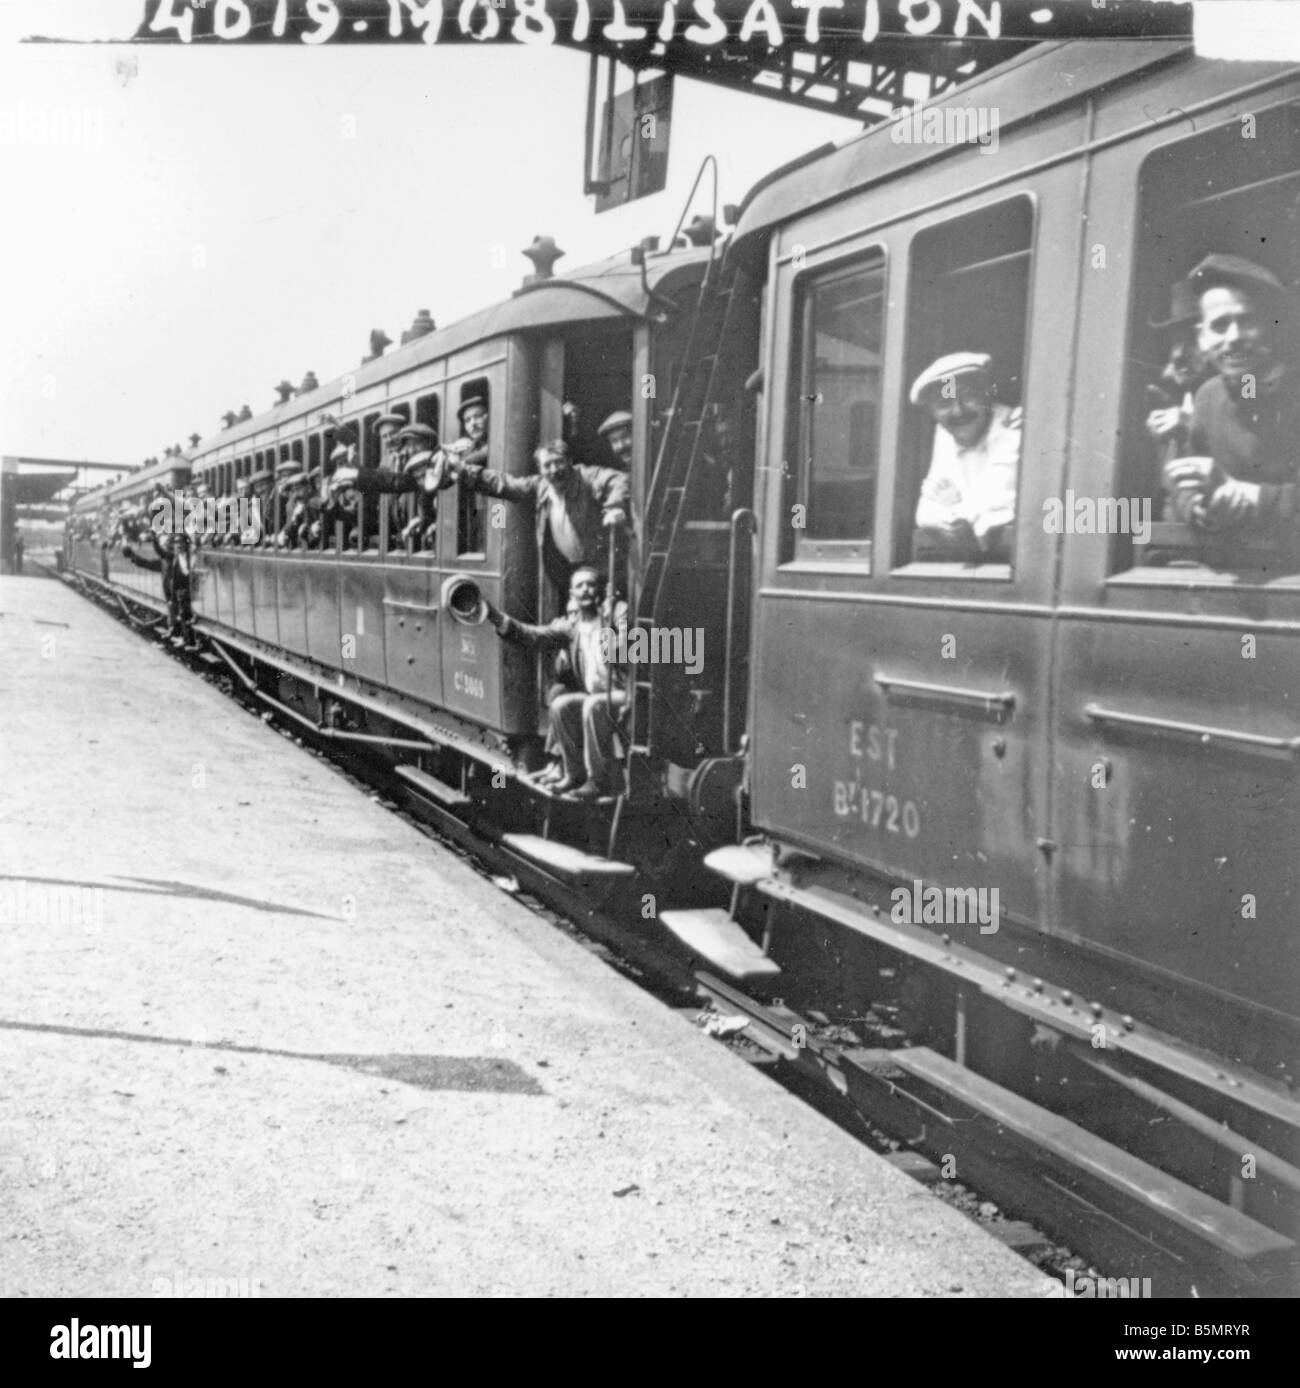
{"x": 912, "y": 49}
{"x": 840, "y": 79}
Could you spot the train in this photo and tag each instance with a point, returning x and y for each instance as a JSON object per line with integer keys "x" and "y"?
{"x": 1094, "y": 734}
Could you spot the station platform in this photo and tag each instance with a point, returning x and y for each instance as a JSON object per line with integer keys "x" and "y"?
{"x": 260, "y": 1030}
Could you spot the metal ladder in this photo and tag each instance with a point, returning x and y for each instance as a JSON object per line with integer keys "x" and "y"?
{"x": 679, "y": 454}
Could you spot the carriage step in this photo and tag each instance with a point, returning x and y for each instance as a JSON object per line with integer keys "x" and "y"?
{"x": 433, "y": 787}
{"x": 568, "y": 864}
{"x": 744, "y": 864}
{"x": 716, "y": 938}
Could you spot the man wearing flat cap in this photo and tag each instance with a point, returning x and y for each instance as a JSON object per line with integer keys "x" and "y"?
{"x": 387, "y": 428}
{"x": 295, "y": 488}
{"x": 1171, "y": 399}
{"x": 576, "y": 506}
{"x": 417, "y": 475}
{"x": 426, "y": 471}
{"x": 1243, "y": 451}
{"x": 392, "y": 458}
{"x": 340, "y": 506}
{"x": 968, "y": 498}
{"x": 473, "y": 416}
{"x": 616, "y": 430}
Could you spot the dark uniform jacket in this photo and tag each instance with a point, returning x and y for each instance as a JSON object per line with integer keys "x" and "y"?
{"x": 1253, "y": 440}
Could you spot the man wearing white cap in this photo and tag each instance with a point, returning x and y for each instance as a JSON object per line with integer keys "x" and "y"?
{"x": 968, "y": 499}
{"x": 616, "y": 430}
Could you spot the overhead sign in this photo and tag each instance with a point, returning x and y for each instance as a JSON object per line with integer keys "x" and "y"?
{"x": 741, "y": 26}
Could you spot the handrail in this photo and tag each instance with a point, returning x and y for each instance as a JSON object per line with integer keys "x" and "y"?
{"x": 994, "y": 705}
{"x": 1204, "y": 733}
{"x": 750, "y": 519}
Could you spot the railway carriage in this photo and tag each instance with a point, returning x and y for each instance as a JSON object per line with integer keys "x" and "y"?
{"x": 89, "y": 550}
{"x": 369, "y": 629}
{"x": 1099, "y": 734}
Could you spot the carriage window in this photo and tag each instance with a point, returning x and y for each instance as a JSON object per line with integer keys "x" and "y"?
{"x": 474, "y": 413}
{"x": 835, "y": 415}
{"x": 967, "y": 306}
{"x": 426, "y": 412}
{"x": 1211, "y": 471}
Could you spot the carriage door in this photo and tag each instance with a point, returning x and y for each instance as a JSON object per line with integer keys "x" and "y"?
{"x": 953, "y": 715}
{"x": 412, "y": 646}
{"x": 1178, "y": 782}
{"x": 913, "y": 683}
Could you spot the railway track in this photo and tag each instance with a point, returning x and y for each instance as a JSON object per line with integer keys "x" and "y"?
{"x": 1122, "y": 1216}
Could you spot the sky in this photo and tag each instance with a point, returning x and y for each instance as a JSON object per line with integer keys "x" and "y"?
{"x": 186, "y": 227}
{"x": 191, "y": 226}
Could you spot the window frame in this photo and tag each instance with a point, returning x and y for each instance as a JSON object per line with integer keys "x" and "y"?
{"x": 1191, "y": 569}
{"x": 909, "y": 453}
{"x": 472, "y": 502}
{"x": 802, "y": 552}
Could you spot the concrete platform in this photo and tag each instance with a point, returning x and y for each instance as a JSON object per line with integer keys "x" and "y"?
{"x": 256, "y": 1027}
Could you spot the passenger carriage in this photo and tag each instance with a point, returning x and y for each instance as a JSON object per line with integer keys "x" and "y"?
{"x": 1103, "y": 729}
{"x": 90, "y": 550}
{"x": 373, "y": 624}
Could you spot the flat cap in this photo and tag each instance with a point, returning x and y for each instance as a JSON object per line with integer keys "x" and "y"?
{"x": 469, "y": 402}
{"x": 1238, "y": 273}
{"x": 389, "y": 421}
{"x": 424, "y": 434}
{"x": 955, "y": 364}
{"x": 620, "y": 419}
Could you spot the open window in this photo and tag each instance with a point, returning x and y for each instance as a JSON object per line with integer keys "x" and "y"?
{"x": 471, "y": 513}
{"x": 427, "y": 411}
{"x": 835, "y": 415}
{"x": 969, "y": 294}
{"x": 597, "y": 382}
{"x": 1234, "y": 190}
